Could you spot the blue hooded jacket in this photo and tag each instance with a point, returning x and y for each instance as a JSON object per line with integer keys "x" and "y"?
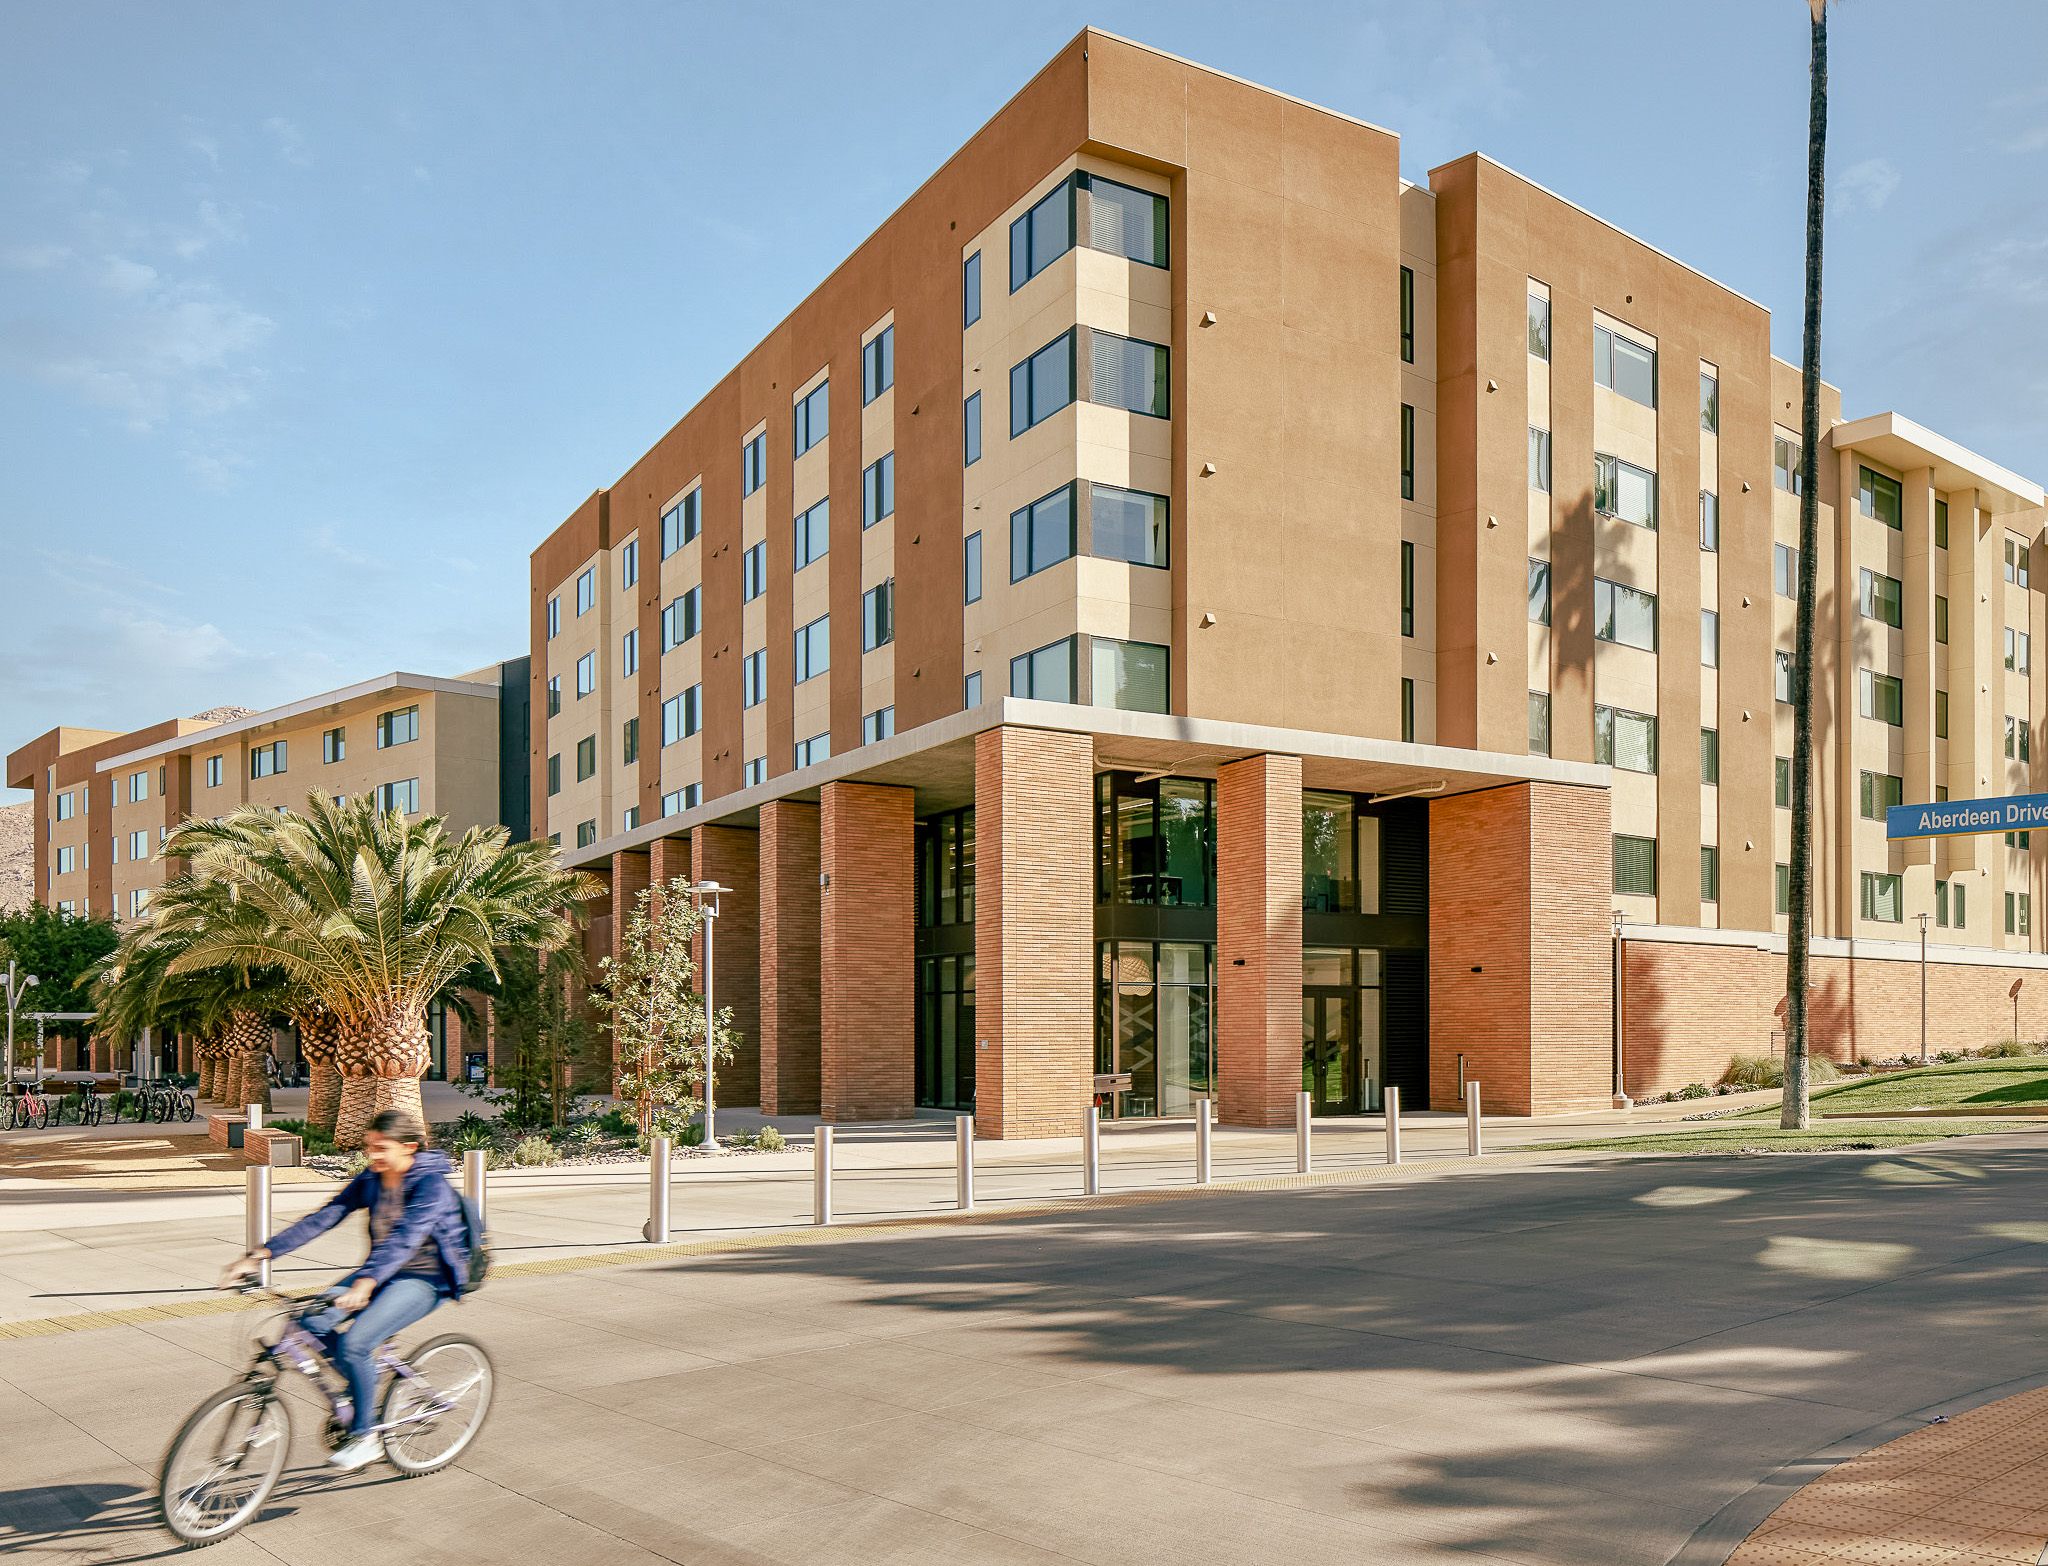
{"x": 432, "y": 1212}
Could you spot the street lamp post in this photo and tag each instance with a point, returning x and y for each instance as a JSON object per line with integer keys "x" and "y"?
{"x": 16, "y": 985}
{"x": 1923, "y": 987}
{"x": 1620, "y": 1002}
{"x": 705, "y": 895}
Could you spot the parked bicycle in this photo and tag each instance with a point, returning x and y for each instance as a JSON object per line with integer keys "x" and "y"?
{"x": 29, "y": 1110}
{"x": 163, "y": 1100}
{"x": 228, "y": 1455}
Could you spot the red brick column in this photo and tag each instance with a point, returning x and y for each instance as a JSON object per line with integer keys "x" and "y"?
{"x": 667, "y": 858}
{"x": 867, "y": 977}
{"x": 788, "y": 983}
{"x": 1520, "y": 949}
{"x": 1258, "y": 939}
{"x": 1034, "y": 923}
{"x": 730, "y": 856}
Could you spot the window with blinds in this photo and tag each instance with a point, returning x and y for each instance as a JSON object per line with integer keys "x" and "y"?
{"x": 1635, "y": 866}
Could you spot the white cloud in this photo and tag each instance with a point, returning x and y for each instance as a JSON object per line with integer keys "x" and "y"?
{"x": 1868, "y": 184}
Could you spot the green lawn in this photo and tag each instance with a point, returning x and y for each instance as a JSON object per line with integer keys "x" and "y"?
{"x": 2022, "y": 1079}
{"x": 1834, "y": 1136}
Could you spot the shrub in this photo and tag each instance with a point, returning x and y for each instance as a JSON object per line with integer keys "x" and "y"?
{"x": 1948, "y": 1057}
{"x": 1692, "y": 1090}
{"x": 313, "y": 1141}
{"x": 469, "y": 1138}
{"x": 772, "y": 1140}
{"x": 1754, "y": 1071}
{"x": 356, "y": 1164}
{"x": 616, "y": 1122}
{"x": 2004, "y": 1049}
{"x": 535, "y": 1150}
{"x": 587, "y": 1133}
{"x": 691, "y": 1135}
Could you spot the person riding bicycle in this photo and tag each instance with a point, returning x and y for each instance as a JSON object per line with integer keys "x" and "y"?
{"x": 418, "y": 1252}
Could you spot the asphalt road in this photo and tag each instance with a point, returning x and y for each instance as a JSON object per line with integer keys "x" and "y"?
{"x": 1564, "y": 1364}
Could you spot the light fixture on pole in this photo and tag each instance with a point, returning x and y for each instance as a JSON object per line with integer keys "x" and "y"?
{"x": 705, "y": 895}
{"x": 1620, "y": 1097}
{"x": 1923, "y": 986}
{"x": 17, "y": 984}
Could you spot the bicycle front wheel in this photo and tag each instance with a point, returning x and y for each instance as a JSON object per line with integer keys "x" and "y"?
{"x": 432, "y": 1415}
{"x": 185, "y": 1107}
{"x": 42, "y": 1115}
{"x": 223, "y": 1463}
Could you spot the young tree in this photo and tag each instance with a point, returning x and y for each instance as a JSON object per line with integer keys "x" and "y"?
{"x": 546, "y": 1034}
{"x": 62, "y": 951}
{"x": 657, "y": 1015}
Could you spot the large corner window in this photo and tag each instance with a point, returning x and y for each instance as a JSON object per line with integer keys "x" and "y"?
{"x": 1097, "y": 366}
{"x": 1340, "y": 855}
{"x": 1625, "y": 366}
{"x": 1127, "y": 524}
{"x": 1043, "y": 533}
{"x": 1045, "y": 674}
{"x": 1129, "y": 676}
{"x": 1155, "y": 841}
{"x": 1096, "y": 213}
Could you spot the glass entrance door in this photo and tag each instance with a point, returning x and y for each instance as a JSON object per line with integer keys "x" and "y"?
{"x": 1329, "y": 1051}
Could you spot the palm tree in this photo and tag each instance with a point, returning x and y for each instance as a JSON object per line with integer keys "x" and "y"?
{"x": 372, "y": 916}
{"x": 228, "y": 1011}
{"x": 1793, "y": 1111}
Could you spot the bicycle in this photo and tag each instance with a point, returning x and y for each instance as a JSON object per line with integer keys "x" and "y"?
{"x": 30, "y": 1111}
{"x": 230, "y": 1452}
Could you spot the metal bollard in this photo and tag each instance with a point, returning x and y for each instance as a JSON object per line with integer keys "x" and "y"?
{"x": 256, "y": 1214}
{"x": 821, "y": 1175}
{"x": 1204, "y": 1122}
{"x": 1393, "y": 1103}
{"x": 473, "y": 1180}
{"x": 656, "y": 1232}
{"x": 1091, "y": 1152}
{"x": 963, "y": 1142}
{"x": 1301, "y": 1114}
{"x": 1472, "y": 1147}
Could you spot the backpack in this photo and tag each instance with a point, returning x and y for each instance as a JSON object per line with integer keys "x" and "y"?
{"x": 477, "y": 1242}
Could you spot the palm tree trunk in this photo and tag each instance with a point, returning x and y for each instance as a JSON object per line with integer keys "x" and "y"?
{"x": 1793, "y": 1112}
{"x": 381, "y": 1063}
{"x": 205, "y": 1074}
{"x": 319, "y": 1031}
{"x": 250, "y": 1038}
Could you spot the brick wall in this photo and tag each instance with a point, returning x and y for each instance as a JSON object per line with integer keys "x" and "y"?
{"x": 867, "y": 976}
{"x": 788, "y": 992}
{"x": 730, "y": 856}
{"x": 1258, "y": 939}
{"x": 1034, "y": 923}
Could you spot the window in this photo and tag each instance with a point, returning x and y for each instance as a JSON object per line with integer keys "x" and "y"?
{"x": 586, "y": 675}
{"x": 586, "y": 758}
{"x": 813, "y": 750}
{"x": 878, "y": 616}
{"x": 1539, "y": 327}
{"x": 629, "y": 652}
{"x": 813, "y": 649}
{"x": 629, "y": 742}
{"x": 1043, "y": 384}
{"x": 1785, "y": 464}
{"x": 688, "y": 797}
{"x": 266, "y": 759}
{"x": 1941, "y": 619}
{"x": 1407, "y": 588}
{"x": 334, "y": 746}
{"x": 1880, "y": 793}
{"x": 1781, "y": 881}
{"x": 401, "y": 727}
{"x": 1621, "y": 489}
{"x": 755, "y": 771}
{"x": 1407, "y": 711}
{"x": 1710, "y": 403}
{"x": 683, "y": 521}
{"x": 554, "y": 617}
{"x": 1881, "y": 898}
{"x": 67, "y": 859}
{"x": 138, "y": 845}
{"x": 1088, "y": 210}
{"x": 1781, "y": 779}
{"x": 1783, "y": 689}
{"x": 1635, "y": 866}
{"x": 1710, "y": 756}
{"x": 878, "y": 726}
{"x": 1127, "y": 524}
{"x": 1407, "y": 452}
{"x": 138, "y": 902}
{"x": 813, "y": 533}
{"x": 878, "y": 490}
{"x": 555, "y": 774}
{"x": 554, "y": 695}
{"x": 1539, "y": 723}
{"x": 754, "y": 573}
{"x": 1884, "y": 597}
{"x": 1941, "y": 524}
{"x": 1042, "y": 534}
{"x": 684, "y": 617}
{"x": 1710, "y": 874}
{"x": 1539, "y": 459}
{"x": 877, "y": 365}
{"x": 1045, "y": 675}
{"x": 1710, "y": 639}
{"x": 1941, "y": 903}
{"x": 1883, "y": 697}
{"x": 682, "y": 715}
{"x": 1407, "y": 315}
{"x": 754, "y": 678}
{"x": 970, "y": 424}
{"x": 586, "y": 833}
{"x": 1128, "y": 676}
{"x": 67, "y": 801}
{"x": 138, "y": 787}
{"x": 586, "y": 592}
{"x": 404, "y": 797}
{"x": 754, "y": 464}
{"x": 1625, "y": 366}
{"x": 630, "y": 818}
{"x": 1627, "y": 740}
{"x": 2023, "y": 841}
{"x": 2018, "y": 650}
{"x": 813, "y": 417}
{"x": 213, "y": 770}
{"x": 970, "y": 291}
{"x": 1956, "y": 893}
{"x": 1539, "y": 591}
{"x": 1624, "y": 615}
{"x": 1941, "y": 714}
{"x": 1880, "y": 497}
{"x": 629, "y": 563}
{"x": 1710, "y": 520}
{"x": 970, "y": 568}
{"x": 970, "y": 691}
{"x": 2019, "y": 740}
{"x": 1127, "y": 373}
{"x": 2017, "y": 906}
{"x": 1785, "y": 570}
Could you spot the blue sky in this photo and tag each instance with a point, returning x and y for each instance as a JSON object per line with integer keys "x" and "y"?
{"x": 315, "y": 320}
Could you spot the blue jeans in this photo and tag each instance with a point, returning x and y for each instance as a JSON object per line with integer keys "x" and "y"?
{"x": 394, "y": 1307}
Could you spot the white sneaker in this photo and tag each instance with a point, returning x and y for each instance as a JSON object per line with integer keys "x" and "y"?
{"x": 359, "y": 1453}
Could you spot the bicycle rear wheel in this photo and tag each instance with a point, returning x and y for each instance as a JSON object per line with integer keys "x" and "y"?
{"x": 185, "y": 1108}
{"x": 223, "y": 1463}
{"x": 430, "y": 1420}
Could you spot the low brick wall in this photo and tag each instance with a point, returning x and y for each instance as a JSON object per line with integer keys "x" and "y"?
{"x": 261, "y": 1146}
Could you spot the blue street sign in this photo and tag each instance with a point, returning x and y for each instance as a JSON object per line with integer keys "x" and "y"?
{"x": 1963, "y": 817}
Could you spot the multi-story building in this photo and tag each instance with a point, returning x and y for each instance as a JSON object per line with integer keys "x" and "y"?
{"x": 105, "y": 801}
{"x": 1087, "y": 634}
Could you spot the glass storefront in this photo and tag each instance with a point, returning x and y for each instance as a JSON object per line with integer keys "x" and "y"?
{"x": 1155, "y": 842}
{"x": 1154, "y": 1000}
{"x": 1340, "y": 856}
{"x": 945, "y": 1032}
{"x": 1343, "y": 1055}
